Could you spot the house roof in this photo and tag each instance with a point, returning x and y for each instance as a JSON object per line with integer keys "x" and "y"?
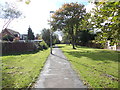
{"x": 10, "y": 31}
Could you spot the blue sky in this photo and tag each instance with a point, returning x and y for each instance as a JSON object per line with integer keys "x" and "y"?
{"x": 36, "y": 13}
{"x": 61, "y": 2}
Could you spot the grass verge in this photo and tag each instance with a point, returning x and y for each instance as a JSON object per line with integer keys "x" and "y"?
{"x": 98, "y": 68}
{"x": 18, "y": 71}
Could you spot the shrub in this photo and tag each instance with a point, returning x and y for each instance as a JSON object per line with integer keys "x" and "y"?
{"x": 43, "y": 45}
{"x": 8, "y": 38}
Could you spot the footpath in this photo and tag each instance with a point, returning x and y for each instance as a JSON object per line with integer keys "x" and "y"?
{"x": 57, "y": 73}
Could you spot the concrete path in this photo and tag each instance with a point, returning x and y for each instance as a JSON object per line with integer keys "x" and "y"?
{"x": 57, "y": 73}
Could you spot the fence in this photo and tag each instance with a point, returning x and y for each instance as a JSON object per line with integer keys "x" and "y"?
{"x": 17, "y": 47}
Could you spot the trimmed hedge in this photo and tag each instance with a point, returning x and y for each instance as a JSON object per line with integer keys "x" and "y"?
{"x": 21, "y": 47}
{"x": 17, "y": 47}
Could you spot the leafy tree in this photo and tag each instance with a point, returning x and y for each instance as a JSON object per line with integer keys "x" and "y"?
{"x": 106, "y": 19}
{"x": 55, "y": 38}
{"x": 68, "y": 18}
{"x": 30, "y": 34}
{"x": 9, "y": 13}
{"x": 66, "y": 38}
{"x": 46, "y": 36}
{"x": 26, "y": 1}
{"x": 84, "y": 37}
{"x": 38, "y": 36}
{"x": 84, "y": 33}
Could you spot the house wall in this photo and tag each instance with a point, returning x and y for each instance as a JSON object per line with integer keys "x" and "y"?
{"x": 108, "y": 46}
{"x": 118, "y": 47}
{"x": 23, "y": 37}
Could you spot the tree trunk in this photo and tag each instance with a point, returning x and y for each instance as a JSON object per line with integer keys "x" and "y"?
{"x": 73, "y": 38}
{"x": 73, "y": 46}
{"x": 76, "y": 34}
{"x": 73, "y": 42}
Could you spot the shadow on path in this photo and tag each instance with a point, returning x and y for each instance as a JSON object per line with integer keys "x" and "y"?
{"x": 59, "y": 56}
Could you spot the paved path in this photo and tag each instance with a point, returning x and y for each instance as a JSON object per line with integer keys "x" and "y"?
{"x": 57, "y": 73}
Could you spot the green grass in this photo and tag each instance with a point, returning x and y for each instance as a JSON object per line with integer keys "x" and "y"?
{"x": 18, "y": 71}
{"x": 98, "y": 68}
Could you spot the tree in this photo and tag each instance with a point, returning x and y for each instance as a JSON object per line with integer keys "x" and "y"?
{"x": 66, "y": 38}
{"x": 38, "y": 36}
{"x": 68, "y": 18}
{"x": 26, "y": 1}
{"x": 84, "y": 33}
{"x": 84, "y": 37}
{"x": 30, "y": 34}
{"x": 9, "y": 12}
{"x": 55, "y": 39}
{"x": 106, "y": 19}
{"x": 46, "y": 36}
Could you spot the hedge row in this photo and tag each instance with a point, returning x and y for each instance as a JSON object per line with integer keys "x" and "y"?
{"x": 19, "y": 47}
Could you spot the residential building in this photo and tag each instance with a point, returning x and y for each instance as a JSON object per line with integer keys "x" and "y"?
{"x": 10, "y": 32}
{"x": 23, "y": 37}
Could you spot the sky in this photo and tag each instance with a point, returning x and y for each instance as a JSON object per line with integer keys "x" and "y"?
{"x": 36, "y": 14}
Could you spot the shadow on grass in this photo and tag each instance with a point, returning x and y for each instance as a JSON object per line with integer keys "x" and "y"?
{"x": 60, "y": 46}
{"x": 55, "y": 46}
{"x": 98, "y": 56}
{"x": 19, "y": 53}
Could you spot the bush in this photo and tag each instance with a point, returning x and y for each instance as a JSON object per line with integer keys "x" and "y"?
{"x": 43, "y": 45}
{"x": 8, "y": 38}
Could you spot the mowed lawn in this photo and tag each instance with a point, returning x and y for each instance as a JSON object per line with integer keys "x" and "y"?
{"x": 98, "y": 68}
{"x": 19, "y": 71}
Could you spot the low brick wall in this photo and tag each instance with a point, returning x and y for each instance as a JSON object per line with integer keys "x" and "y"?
{"x": 17, "y": 47}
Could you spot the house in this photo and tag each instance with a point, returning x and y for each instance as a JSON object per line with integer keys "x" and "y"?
{"x": 113, "y": 47}
{"x": 10, "y": 32}
{"x": 23, "y": 37}
{"x": 0, "y": 36}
